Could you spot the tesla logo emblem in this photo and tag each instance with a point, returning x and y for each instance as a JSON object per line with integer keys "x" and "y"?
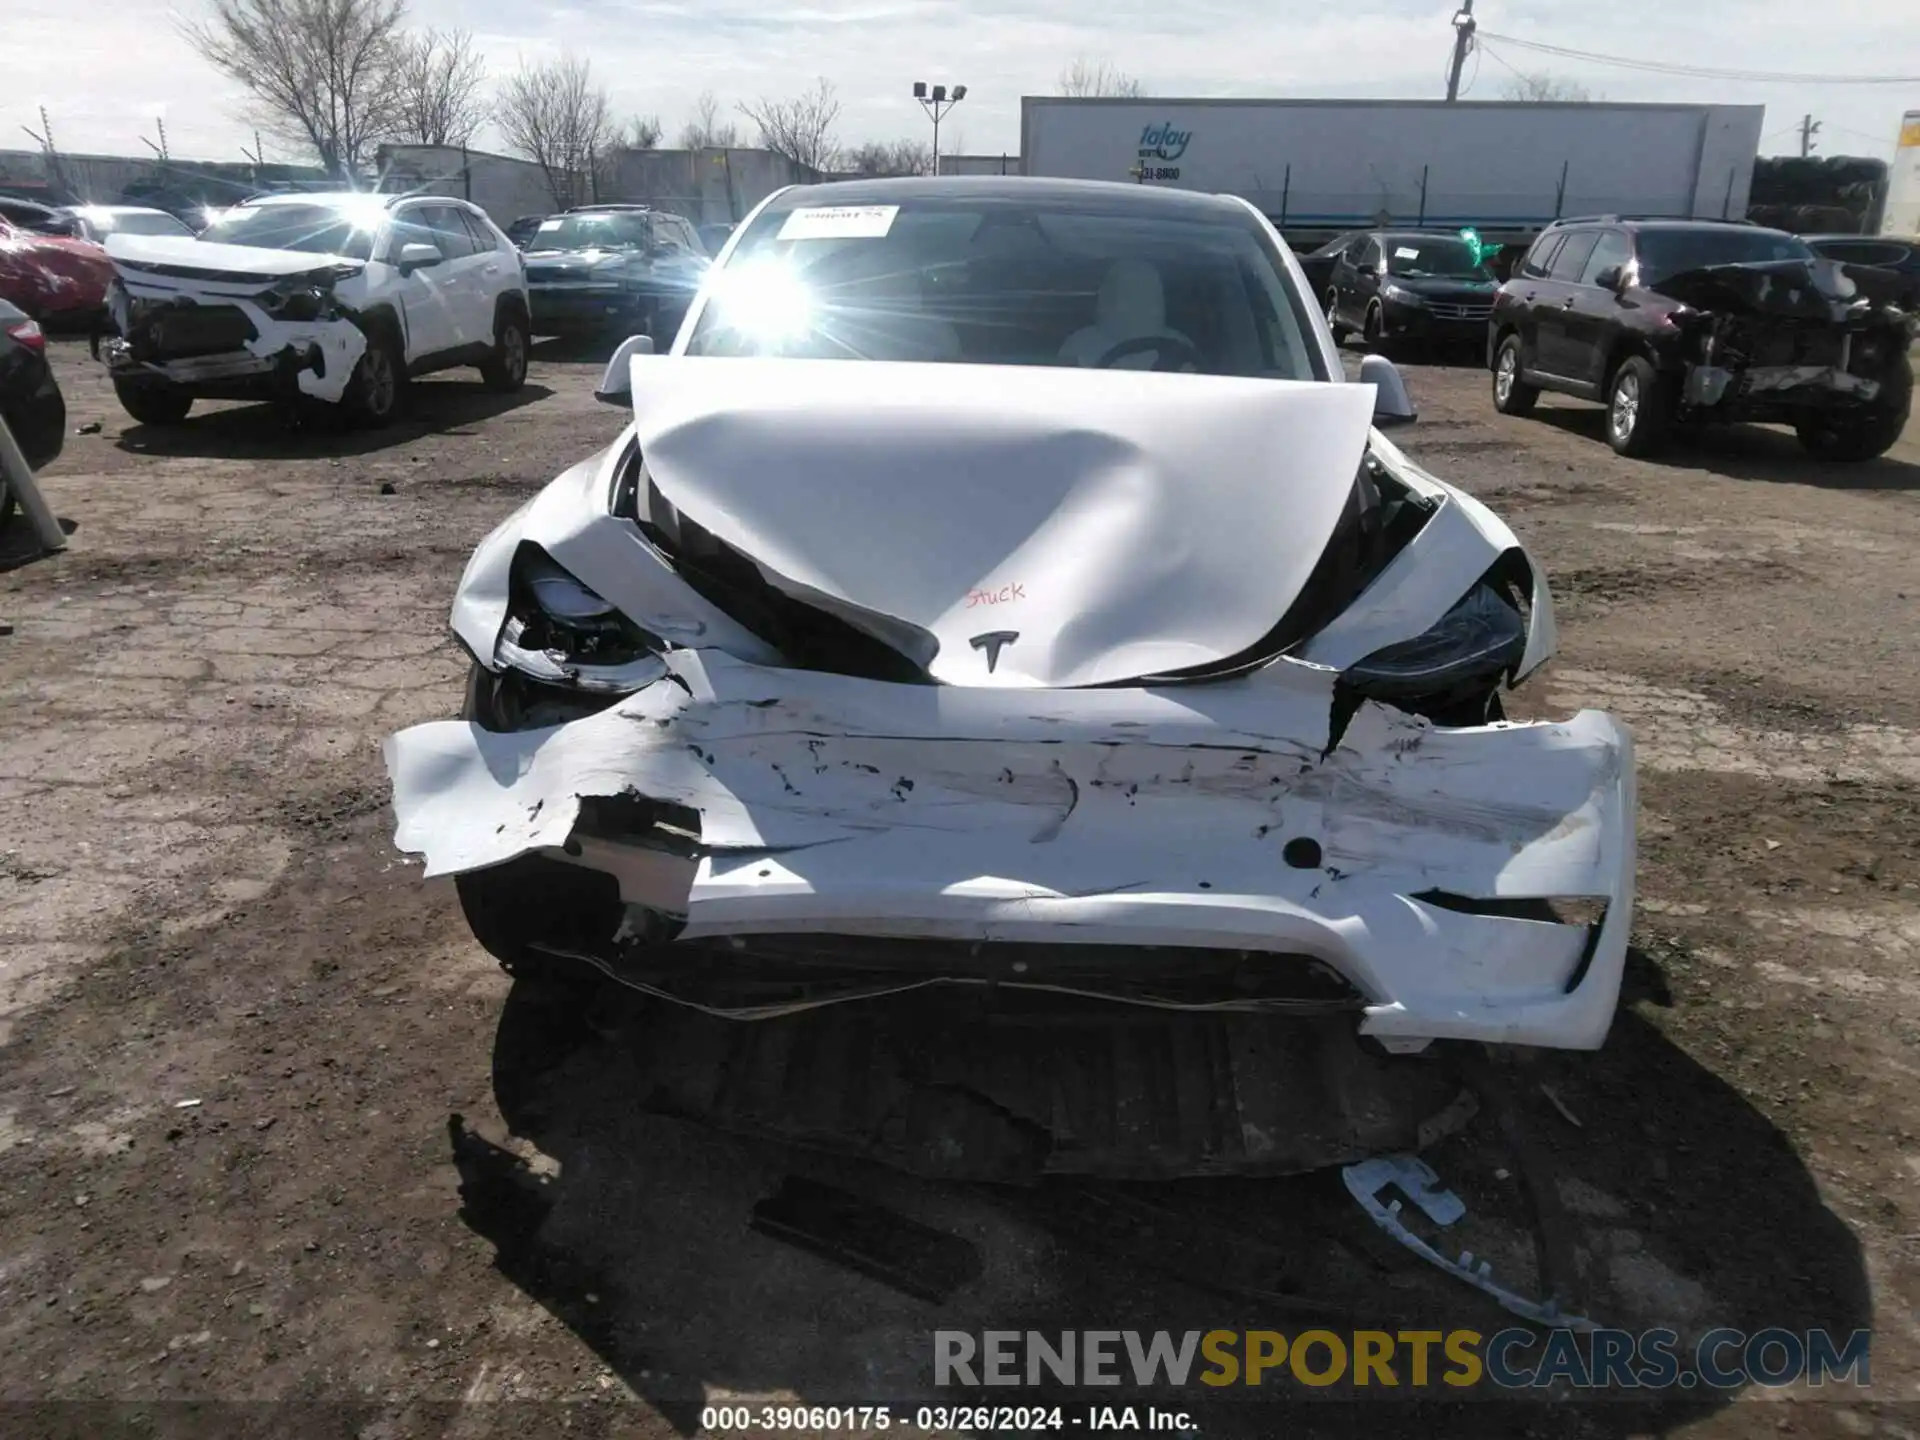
{"x": 992, "y": 643}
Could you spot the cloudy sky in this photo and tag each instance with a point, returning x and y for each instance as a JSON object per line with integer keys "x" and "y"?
{"x": 105, "y": 69}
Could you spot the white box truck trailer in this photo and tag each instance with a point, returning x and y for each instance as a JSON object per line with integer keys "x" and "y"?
{"x": 1323, "y": 166}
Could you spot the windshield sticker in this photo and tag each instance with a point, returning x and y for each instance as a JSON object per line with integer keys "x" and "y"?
{"x": 550, "y": 224}
{"x": 839, "y": 222}
{"x": 1403, "y": 253}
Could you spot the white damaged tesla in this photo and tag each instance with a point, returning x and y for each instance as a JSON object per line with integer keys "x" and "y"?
{"x": 1000, "y": 585}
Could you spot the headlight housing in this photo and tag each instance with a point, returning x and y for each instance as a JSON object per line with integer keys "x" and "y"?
{"x": 551, "y": 614}
{"x": 1464, "y": 656}
{"x": 1401, "y": 295}
{"x": 298, "y": 301}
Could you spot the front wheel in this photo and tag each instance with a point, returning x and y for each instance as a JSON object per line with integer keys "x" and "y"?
{"x": 1639, "y": 409}
{"x": 1340, "y": 331}
{"x": 1373, "y": 329}
{"x": 153, "y": 402}
{"x": 1868, "y": 434}
{"x": 506, "y": 369}
{"x": 378, "y": 383}
{"x": 1511, "y": 394}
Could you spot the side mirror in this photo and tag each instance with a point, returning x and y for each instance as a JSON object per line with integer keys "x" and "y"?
{"x": 616, "y": 385}
{"x": 1391, "y": 403}
{"x": 417, "y": 256}
{"x": 1611, "y": 278}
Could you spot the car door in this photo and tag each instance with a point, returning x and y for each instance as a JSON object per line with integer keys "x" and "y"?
{"x": 500, "y": 264}
{"x": 425, "y": 309}
{"x": 1356, "y": 279}
{"x": 1589, "y": 324}
{"x": 1552, "y": 304}
{"x": 462, "y": 276}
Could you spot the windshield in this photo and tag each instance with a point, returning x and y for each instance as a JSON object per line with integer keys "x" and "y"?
{"x": 613, "y": 230}
{"x": 1003, "y": 281}
{"x": 317, "y": 229}
{"x": 1664, "y": 253}
{"x": 137, "y": 222}
{"x": 1433, "y": 256}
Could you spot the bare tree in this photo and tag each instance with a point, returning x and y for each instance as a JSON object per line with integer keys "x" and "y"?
{"x": 801, "y": 129}
{"x": 879, "y": 158}
{"x": 1099, "y": 77}
{"x": 704, "y": 131}
{"x": 642, "y": 132}
{"x": 555, "y": 116}
{"x": 437, "y": 79}
{"x": 321, "y": 72}
{"x": 1539, "y": 87}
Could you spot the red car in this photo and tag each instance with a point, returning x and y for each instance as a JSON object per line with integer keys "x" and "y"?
{"x": 51, "y": 277}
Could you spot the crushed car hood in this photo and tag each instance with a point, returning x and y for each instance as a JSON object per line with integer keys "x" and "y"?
{"x": 185, "y": 255}
{"x": 1012, "y": 526}
{"x": 1788, "y": 289}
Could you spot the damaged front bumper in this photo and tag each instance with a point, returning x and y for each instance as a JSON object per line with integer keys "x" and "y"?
{"x": 313, "y": 357}
{"x": 1406, "y": 858}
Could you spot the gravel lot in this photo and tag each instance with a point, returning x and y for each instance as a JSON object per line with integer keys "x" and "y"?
{"x": 234, "y": 1025}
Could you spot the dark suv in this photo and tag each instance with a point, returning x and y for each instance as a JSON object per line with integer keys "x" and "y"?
{"x": 1401, "y": 285}
{"x": 618, "y": 268}
{"x": 1673, "y": 321}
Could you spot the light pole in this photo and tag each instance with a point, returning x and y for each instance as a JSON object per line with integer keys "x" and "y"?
{"x": 937, "y": 102}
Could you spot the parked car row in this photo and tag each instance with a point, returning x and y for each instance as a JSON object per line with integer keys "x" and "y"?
{"x": 1665, "y": 322}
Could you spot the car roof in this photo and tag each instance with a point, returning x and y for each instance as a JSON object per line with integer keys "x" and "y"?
{"x": 1101, "y": 194}
{"x": 1865, "y": 239}
{"x": 322, "y": 197}
{"x": 118, "y": 210}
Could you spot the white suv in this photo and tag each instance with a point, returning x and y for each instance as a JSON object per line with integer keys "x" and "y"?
{"x": 339, "y": 298}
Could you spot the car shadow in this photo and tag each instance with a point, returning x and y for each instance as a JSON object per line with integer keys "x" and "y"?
{"x": 1460, "y": 355}
{"x": 1746, "y": 452}
{"x": 576, "y": 349}
{"x": 1673, "y": 1201}
{"x": 265, "y": 431}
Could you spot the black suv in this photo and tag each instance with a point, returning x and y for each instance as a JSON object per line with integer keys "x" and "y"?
{"x": 619, "y": 268}
{"x": 1682, "y": 321}
{"x": 1403, "y": 285}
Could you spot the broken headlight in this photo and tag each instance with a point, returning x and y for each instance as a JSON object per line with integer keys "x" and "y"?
{"x": 556, "y": 615}
{"x": 1466, "y": 652}
{"x": 297, "y": 302}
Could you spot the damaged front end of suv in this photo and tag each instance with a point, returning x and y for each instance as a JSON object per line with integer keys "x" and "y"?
{"x": 1793, "y": 342}
{"x": 1146, "y": 693}
{"x": 193, "y": 320}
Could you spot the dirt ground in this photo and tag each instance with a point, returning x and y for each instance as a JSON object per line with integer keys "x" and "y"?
{"x": 236, "y": 1028}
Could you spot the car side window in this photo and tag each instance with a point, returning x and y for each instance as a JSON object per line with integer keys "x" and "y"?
{"x": 1365, "y": 255}
{"x": 408, "y": 227}
{"x": 689, "y": 241}
{"x": 1572, "y": 257}
{"x": 1862, "y": 252}
{"x": 1613, "y": 249}
{"x": 1540, "y": 258}
{"x": 483, "y": 238}
{"x": 449, "y": 231}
